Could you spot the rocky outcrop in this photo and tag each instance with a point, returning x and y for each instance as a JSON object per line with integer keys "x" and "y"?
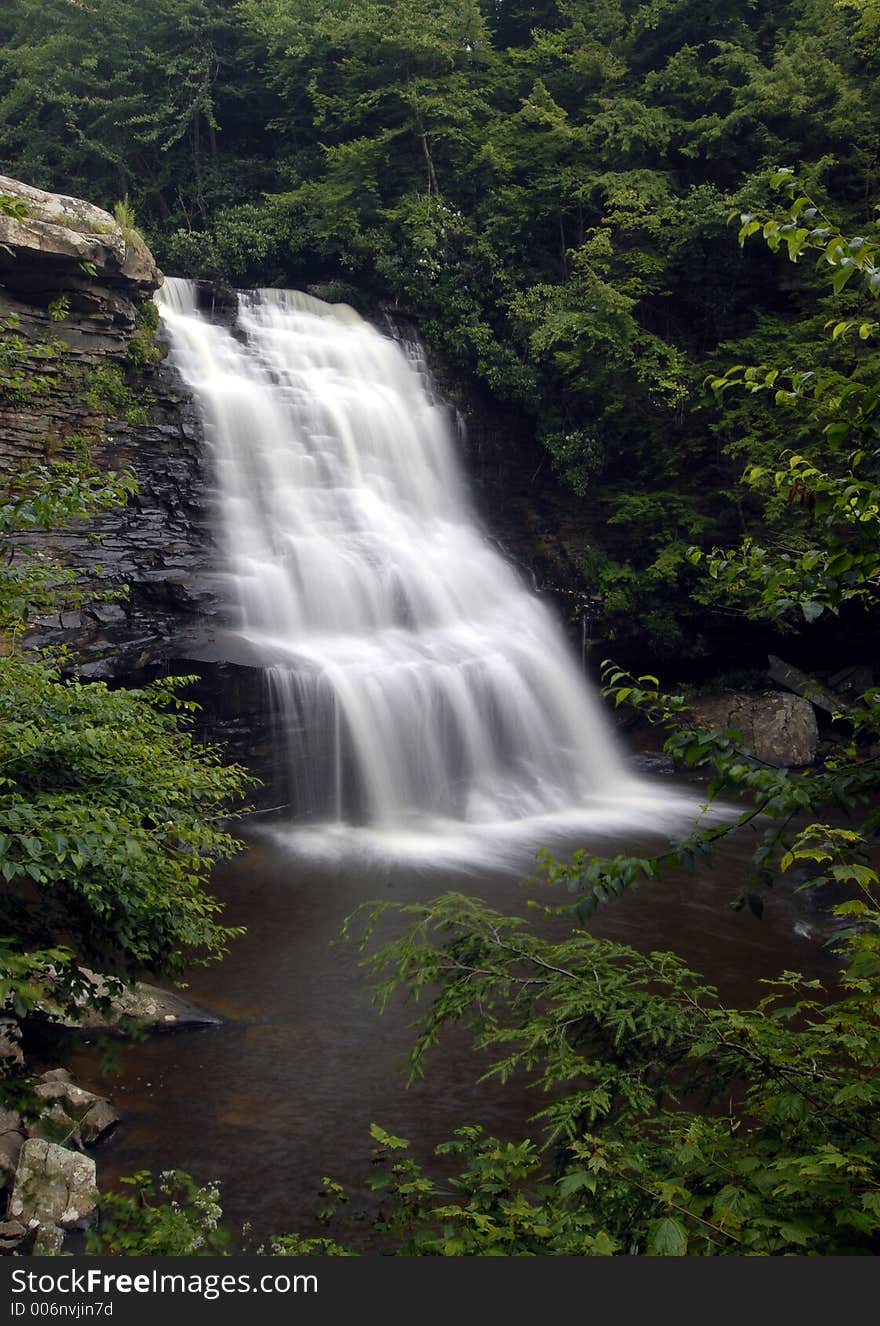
{"x": 76, "y": 295}
{"x": 71, "y": 1113}
{"x": 50, "y": 1184}
{"x": 54, "y": 1192}
{"x": 63, "y": 256}
{"x": 777, "y": 728}
{"x": 140, "y": 1005}
{"x": 64, "y": 247}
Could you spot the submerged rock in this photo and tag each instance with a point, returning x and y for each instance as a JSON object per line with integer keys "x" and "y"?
{"x": 146, "y": 1006}
{"x": 778, "y": 728}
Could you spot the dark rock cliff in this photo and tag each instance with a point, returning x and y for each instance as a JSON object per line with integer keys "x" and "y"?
{"x": 91, "y": 380}
{"x": 76, "y": 294}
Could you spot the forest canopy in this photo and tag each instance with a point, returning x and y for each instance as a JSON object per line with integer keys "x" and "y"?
{"x": 544, "y": 187}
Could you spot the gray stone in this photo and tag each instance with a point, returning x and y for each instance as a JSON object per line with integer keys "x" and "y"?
{"x": 778, "y": 728}
{"x": 55, "y": 1190}
{"x": 49, "y": 1241}
{"x": 108, "y": 613}
{"x": 87, "y": 1118}
{"x": 98, "y": 1122}
{"x": 56, "y": 1075}
{"x": 58, "y": 230}
{"x": 853, "y": 681}
{"x": 146, "y": 1006}
{"x": 12, "y": 1233}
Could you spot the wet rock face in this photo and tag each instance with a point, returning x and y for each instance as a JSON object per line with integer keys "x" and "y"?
{"x": 779, "y": 729}
{"x": 159, "y": 545}
{"x": 73, "y": 280}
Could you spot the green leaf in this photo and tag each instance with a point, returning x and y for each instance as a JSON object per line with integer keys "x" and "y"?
{"x": 666, "y": 1238}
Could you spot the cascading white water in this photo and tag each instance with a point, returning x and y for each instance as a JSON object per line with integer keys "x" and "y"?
{"x": 422, "y": 689}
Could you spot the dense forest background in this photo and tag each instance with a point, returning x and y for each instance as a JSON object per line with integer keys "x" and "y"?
{"x": 545, "y": 187}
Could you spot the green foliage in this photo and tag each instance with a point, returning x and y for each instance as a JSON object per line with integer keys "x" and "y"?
{"x": 830, "y": 556}
{"x": 108, "y": 821}
{"x": 248, "y": 243}
{"x": 496, "y": 1205}
{"x": 108, "y": 809}
{"x": 107, "y": 392}
{"x": 111, "y": 813}
{"x": 45, "y": 981}
{"x": 13, "y": 206}
{"x": 675, "y": 1125}
{"x": 142, "y": 350}
{"x": 124, "y": 215}
{"x": 37, "y": 498}
{"x": 59, "y": 308}
{"x": 543, "y": 187}
{"x": 175, "y": 1218}
{"x": 26, "y": 367}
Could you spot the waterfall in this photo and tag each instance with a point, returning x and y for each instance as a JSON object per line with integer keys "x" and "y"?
{"x": 422, "y": 691}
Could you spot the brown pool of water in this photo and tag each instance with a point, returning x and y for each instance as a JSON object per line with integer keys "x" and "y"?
{"x": 283, "y": 1092}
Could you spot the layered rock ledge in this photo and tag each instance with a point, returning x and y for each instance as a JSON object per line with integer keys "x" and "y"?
{"x": 76, "y": 293}
{"x": 62, "y": 245}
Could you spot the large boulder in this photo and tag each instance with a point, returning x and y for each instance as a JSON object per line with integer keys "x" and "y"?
{"x": 54, "y": 1192}
{"x": 140, "y": 1005}
{"x": 58, "y": 234}
{"x": 82, "y": 1117}
{"x": 778, "y": 728}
